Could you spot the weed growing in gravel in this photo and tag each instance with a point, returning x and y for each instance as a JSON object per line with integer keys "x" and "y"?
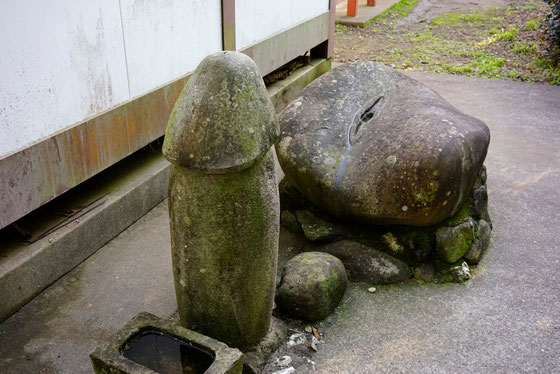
{"x": 533, "y": 24}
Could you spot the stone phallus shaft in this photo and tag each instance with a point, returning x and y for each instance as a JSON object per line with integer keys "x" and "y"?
{"x": 223, "y": 200}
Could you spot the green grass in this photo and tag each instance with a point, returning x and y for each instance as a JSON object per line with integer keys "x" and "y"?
{"x": 340, "y": 28}
{"x": 399, "y": 10}
{"x": 507, "y": 34}
{"x": 453, "y": 19}
{"x": 482, "y": 64}
{"x": 533, "y": 24}
{"x": 499, "y": 34}
{"x": 549, "y": 69}
{"x": 524, "y": 48}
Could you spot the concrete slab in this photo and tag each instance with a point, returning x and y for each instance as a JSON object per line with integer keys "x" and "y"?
{"x": 507, "y": 319}
{"x": 364, "y": 12}
{"x": 126, "y": 192}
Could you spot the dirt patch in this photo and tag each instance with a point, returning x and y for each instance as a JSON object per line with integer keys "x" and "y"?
{"x": 504, "y": 41}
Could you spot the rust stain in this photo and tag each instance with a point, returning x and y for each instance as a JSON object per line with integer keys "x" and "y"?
{"x": 46, "y": 170}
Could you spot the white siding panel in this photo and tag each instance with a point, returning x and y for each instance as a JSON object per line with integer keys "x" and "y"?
{"x": 167, "y": 39}
{"x": 307, "y": 9}
{"x": 256, "y": 20}
{"x": 60, "y": 63}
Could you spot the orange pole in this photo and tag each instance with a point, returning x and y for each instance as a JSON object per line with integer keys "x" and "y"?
{"x": 370, "y": 2}
{"x": 351, "y": 8}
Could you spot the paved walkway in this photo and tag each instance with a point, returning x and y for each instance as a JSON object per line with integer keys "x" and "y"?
{"x": 506, "y": 320}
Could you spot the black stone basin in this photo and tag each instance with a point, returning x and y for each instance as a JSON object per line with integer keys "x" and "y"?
{"x": 166, "y": 354}
{"x": 148, "y": 345}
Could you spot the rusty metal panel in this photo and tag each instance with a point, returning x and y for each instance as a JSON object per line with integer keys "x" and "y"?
{"x": 332, "y": 20}
{"x": 40, "y": 173}
{"x": 283, "y": 47}
{"x": 228, "y": 25}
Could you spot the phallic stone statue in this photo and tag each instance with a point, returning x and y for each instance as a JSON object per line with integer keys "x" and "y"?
{"x": 223, "y": 200}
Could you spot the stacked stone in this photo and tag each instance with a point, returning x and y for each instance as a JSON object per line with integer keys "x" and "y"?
{"x": 386, "y": 171}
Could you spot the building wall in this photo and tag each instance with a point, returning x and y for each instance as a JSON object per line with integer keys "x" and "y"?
{"x": 256, "y": 20}
{"x": 63, "y": 62}
{"x": 84, "y": 84}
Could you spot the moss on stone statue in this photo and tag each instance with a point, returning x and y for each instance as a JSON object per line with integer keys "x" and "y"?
{"x": 208, "y": 259}
{"x": 465, "y": 212}
{"x": 223, "y": 200}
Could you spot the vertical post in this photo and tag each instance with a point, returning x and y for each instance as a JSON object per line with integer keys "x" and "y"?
{"x": 352, "y": 8}
{"x": 326, "y": 49}
{"x": 224, "y": 208}
{"x": 228, "y": 25}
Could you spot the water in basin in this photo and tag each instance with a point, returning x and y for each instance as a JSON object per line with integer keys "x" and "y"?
{"x": 166, "y": 354}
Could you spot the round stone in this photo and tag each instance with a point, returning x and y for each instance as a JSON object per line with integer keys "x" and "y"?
{"x": 453, "y": 242}
{"x": 312, "y": 286}
{"x": 371, "y": 145}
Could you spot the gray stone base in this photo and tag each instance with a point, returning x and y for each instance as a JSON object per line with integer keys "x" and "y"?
{"x": 108, "y": 357}
{"x": 439, "y": 253}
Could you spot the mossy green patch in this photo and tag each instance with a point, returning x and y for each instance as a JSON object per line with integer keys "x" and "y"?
{"x": 465, "y": 212}
{"x": 399, "y": 10}
{"x": 453, "y": 19}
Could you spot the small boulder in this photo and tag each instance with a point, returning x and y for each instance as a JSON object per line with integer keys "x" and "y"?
{"x": 453, "y": 242}
{"x": 479, "y": 244}
{"x": 461, "y": 272}
{"x": 480, "y": 203}
{"x": 312, "y": 286}
{"x": 316, "y": 229}
{"x": 366, "y": 264}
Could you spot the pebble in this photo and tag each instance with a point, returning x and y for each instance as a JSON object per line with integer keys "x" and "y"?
{"x": 371, "y": 289}
{"x": 286, "y": 371}
{"x": 462, "y": 272}
{"x": 296, "y": 339}
{"x": 283, "y": 361}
